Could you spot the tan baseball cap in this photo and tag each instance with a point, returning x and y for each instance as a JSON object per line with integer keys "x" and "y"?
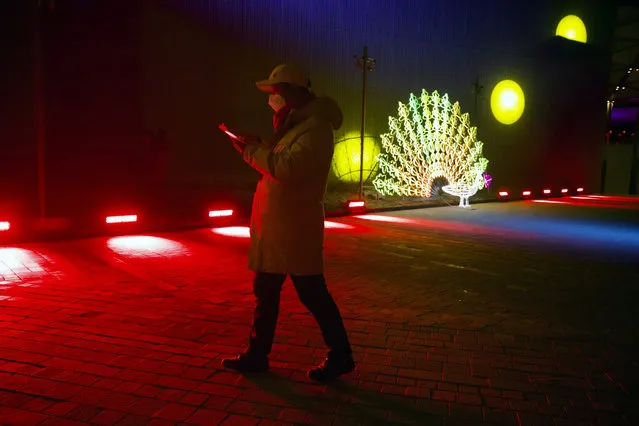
{"x": 284, "y": 73}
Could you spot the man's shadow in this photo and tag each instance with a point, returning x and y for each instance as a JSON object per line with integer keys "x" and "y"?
{"x": 358, "y": 403}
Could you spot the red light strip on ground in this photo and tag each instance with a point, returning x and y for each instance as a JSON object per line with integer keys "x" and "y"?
{"x": 122, "y": 219}
{"x": 5, "y": 226}
{"x": 354, "y": 204}
{"x": 220, "y": 213}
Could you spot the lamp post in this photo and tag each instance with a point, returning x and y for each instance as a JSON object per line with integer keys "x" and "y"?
{"x": 477, "y": 89}
{"x": 365, "y": 64}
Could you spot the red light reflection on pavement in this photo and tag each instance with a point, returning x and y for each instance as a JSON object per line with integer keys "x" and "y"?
{"x": 17, "y": 265}
{"x": 581, "y": 198}
{"x": 233, "y": 231}
{"x": 423, "y": 224}
{"x": 336, "y": 225}
{"x": 617, "y": 198}
{"x": 390, "y": 219}
{"x": 145, "y": 246}
{"x": 593, "y": 202}
{"x": 244, "y": 231}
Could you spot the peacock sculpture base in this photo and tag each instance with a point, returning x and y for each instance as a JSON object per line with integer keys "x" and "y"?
{"x": 464, "y": 192}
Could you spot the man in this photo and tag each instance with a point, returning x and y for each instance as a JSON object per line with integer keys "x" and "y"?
{"x": 287, "y": 221}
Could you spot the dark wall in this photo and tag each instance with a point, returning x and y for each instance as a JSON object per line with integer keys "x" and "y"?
{"x": 115, "y": 70}
{"x": 17, "y": 109}
{"x": 89, "y": 65}
{"x": 574, "y": 79}
{"x": 196, "y": 77}
{"x": 618, "y": 172}
{"x": 436, "y": 45}
{"x": 559, "y": 139}
{"x": 94, "y": 118}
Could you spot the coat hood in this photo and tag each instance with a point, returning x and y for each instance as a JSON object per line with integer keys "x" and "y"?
{"x": 323, "y": 108}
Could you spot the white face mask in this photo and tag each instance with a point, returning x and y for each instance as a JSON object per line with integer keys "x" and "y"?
{"x": 276, "y": 102}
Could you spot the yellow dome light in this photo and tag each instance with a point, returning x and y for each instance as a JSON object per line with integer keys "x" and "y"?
{"x": 572, "y": 28}
{"x": 346, "y": 161}
{"x": 507, "y": 102}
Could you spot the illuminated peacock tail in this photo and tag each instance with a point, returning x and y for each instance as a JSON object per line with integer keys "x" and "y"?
{"x": 428, "y": 139}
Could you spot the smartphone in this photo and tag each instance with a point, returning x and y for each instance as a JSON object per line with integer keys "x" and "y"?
{"x": 230, "y": 134}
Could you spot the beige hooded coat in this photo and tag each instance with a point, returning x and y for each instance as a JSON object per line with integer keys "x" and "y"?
{"x": 287, "y": 221}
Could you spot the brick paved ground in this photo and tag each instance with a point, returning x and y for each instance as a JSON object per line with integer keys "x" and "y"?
{"x": 454, "y": 322}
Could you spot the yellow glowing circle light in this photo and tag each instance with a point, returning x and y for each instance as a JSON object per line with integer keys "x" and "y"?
{"x": 346, "y": 163}
{"x": 572, "y": 28}
{"x": 507, "y": 102}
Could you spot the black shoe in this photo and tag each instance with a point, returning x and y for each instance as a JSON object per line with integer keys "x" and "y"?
{"x": 246, "y": 364}
{"x": 331, "y": 369}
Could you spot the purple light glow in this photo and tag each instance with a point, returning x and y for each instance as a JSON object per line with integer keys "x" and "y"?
{"x": 623, "y": 116}
{"x": 488, "y": 179}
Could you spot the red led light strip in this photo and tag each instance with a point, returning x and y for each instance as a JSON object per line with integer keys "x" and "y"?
{"x": 122, "y": 219}
{"x": 220, "y": 213}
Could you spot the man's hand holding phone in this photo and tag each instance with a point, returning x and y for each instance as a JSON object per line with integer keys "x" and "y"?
{"x": 230, "y": 134}
{"x": 238, "y": 142}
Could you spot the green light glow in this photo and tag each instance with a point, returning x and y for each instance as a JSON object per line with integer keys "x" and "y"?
{"x": 572, "y": 28}
{"x": 346, "y": 163}
{"x": 507, "y": 102}
{"x": 428, "y": 139}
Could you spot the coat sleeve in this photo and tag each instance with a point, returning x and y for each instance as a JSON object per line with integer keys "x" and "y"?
{"x": 300, "y": 160}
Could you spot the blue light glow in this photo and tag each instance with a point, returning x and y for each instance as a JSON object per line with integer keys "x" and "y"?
{"x": 608, "y": 231}
{"x": 596, "y": 232}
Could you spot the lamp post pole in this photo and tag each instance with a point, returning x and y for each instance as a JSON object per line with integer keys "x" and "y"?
{"x": 366, "y": 64}
{"x": 477, "y": 89}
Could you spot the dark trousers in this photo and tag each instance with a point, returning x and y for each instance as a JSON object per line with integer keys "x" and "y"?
{"x": 313, "y": 293}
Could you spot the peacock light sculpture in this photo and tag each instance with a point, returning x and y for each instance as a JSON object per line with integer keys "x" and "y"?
{"x": 429, "y": 139}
